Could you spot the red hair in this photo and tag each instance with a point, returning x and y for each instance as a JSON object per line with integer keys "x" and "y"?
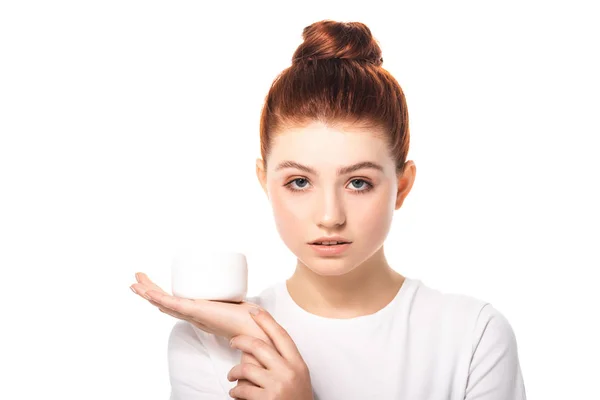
{"x": 336, "y": 77}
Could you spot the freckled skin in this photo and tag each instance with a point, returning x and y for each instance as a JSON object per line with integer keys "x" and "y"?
{"x": 331, "y": 204}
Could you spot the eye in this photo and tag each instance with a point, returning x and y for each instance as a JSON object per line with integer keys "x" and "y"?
{"x": 364, "y": 183}
{"x": 360, "y": 185}
{"x": 300, "y": 182}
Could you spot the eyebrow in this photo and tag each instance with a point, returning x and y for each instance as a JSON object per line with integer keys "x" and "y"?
{"x": 340, "y": 171}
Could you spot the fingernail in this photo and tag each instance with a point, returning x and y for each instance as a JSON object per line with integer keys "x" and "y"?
{"x": 132, "y": 289}
{"x": 231, "y": 342}
{"x": 254, "y": 311}
{"x": 137, "y": 276}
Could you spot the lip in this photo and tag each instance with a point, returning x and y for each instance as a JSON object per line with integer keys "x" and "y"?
{"x": 334, "y": 250}
{"x": 330, "y": 239}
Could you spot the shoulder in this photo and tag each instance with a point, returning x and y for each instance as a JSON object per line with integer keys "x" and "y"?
{"x": 478, "y": 334}
{"x": 186, "y": 345}
{"x": 267, "y": 298}
{"x": 453, "y": 320}
{"x": 191, "y": 371}
{"x": 183, "y": 333}
{"x": 493, "y": 335}
{"x": 494, "y": 368}
{"x": 478, "y": 316}
{"x": 184, "y": 338}
{"x": 446, "y": 307}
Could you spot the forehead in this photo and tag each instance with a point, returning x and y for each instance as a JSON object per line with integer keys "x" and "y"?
{"x": 318, "y": 144}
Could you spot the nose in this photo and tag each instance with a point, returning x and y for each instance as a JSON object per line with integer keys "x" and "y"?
{"x": 330, "y": 211}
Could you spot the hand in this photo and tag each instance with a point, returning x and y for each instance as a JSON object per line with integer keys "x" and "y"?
{"x": 219, "y": 318}
{"x": 283, "y": 373}
{"x": 216, "y": 317}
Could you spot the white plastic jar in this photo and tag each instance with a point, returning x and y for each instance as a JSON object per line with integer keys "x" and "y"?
{"x": 210, "y": 275}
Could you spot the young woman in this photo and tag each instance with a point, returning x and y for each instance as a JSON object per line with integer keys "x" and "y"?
{"x": 346, "y": 325}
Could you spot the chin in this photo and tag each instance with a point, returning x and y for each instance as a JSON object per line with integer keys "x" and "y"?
{"x": 329, "y": 266}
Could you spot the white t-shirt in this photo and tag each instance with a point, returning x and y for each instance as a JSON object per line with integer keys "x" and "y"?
{"x": 423, "y": 345}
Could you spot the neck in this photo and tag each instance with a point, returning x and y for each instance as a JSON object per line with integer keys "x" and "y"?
{"x": 363, "y": 291}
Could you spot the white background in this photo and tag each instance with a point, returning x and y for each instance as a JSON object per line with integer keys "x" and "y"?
{"x": 130, "y": 128}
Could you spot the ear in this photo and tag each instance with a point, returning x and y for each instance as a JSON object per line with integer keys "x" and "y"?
{"x": 405, "y": 182}
{"x": 261, "y": 174}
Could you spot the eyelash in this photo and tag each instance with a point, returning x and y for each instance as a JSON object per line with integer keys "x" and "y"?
{"x": 363, "y": 191}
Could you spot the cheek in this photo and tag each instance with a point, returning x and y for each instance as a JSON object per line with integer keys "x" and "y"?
{"x": 374, "y": 218}
{"x": 288, "y": 214}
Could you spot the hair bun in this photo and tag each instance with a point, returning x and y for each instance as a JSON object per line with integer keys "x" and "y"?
{"x": 329, "y": 39}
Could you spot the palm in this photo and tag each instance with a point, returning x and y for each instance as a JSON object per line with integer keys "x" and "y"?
{"x": 225, "y": 319}
{"x": 217, "y": 317}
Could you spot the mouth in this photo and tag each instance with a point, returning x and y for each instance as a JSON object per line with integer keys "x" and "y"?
{"x": 329, "y": 249}
{"x": 329, "y": 243}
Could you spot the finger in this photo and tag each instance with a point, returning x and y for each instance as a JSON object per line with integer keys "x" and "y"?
{"x": 140, "y": 289}
{"x": 141, "y": 293}
{"x": 165, "y": 300}
{"x": 243, "y": 382}
{"x": 144, "y": 284}
{"x": 188, "y": 307}
{"x": 171, "y": 312}
{"x": 144, "y": 280}
{"x": 250, "y": 372}
{"x": 181, "y": 317}
{"x": 247, "y": 392}
{"x": 262, "y": 351}
{"x": 189, "y": 310}
{"x": 280, "y": 338}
